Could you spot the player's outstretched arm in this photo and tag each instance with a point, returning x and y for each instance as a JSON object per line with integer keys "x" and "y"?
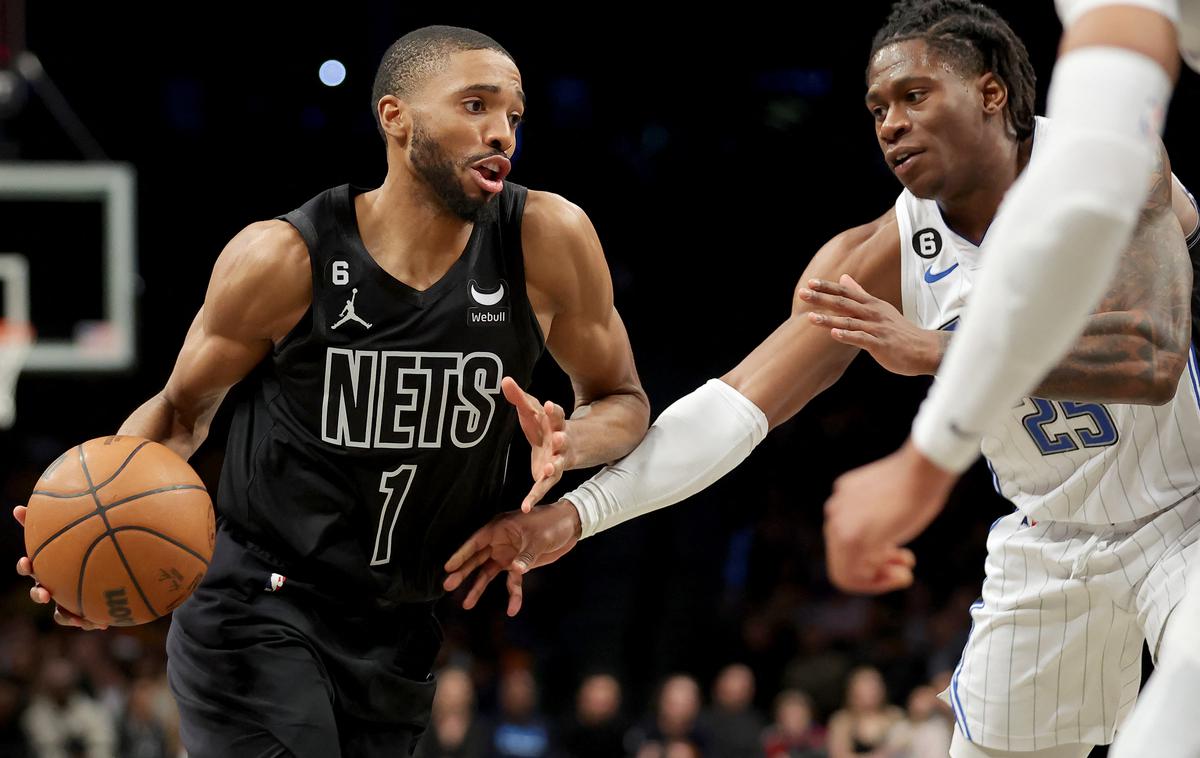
{"x": 702, "y": 436}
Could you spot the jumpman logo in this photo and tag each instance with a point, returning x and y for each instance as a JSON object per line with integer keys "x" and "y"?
{"x": 348, "y": 313}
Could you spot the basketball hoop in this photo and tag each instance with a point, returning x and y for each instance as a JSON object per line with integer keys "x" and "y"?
{"x": 16, "y": 340}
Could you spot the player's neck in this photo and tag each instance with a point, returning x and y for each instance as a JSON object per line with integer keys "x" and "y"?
{"x": 408, "y": 233}
{"x": 971, "y": 210}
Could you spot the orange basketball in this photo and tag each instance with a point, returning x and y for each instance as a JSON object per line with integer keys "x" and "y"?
{"x": 120, "y": 530}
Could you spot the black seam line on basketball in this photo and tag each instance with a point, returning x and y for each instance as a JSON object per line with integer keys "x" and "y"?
{"x": 99, "y": 486}
{"x": 110, "y": 506}
{"x": 109, "y": 530}
{"x": 165, "y": 538}
{"x": 83, "y": 572}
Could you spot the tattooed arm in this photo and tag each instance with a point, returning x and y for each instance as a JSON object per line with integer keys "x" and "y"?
{"x": 1135, "y": 345}
{"x": 1132, "y": 350}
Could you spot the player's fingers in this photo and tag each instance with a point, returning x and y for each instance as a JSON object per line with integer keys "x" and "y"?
{"x": 24, "y": 566}
{"x": 835, "y": 303}
{"x": 456, "y": 577}
{"x": 841, "y": 288}
{"x": 540, "y": 488}
{"x": 64, "y": 617}
{"x": 480, "y": 540}
{"x": 902, "y": 556}
{"x": 545, "y": 425}
{"x": 19, "y": 514}
{"x": 892, "y": 577}
{"x": 39, "y": 594}
{"x": 525, "y": 560}
{"x": 558, "y": 442}
{"x": 515, "y": 593}
{"x": 529, "y": 411}
{"x": 521, "y": 399}
{"x": 840, "y": 322}
{"x": 855, "y": 290}
{"x": 486, "y": 574}
{"x": 856, "y": 338}
{"x": 556, "y": 414}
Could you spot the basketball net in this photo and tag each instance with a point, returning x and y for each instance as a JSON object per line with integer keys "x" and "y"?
{"x": 16, "y": 340}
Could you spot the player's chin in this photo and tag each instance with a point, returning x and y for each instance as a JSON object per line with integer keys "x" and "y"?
{"x": 924, "y": 184}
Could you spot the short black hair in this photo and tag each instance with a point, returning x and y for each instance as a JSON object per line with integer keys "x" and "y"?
{"x": 419, "y": 54}
{"x": 976, "y": 38}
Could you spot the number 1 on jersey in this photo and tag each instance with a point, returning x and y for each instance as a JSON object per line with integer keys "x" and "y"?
{"x": 394, "y": 487}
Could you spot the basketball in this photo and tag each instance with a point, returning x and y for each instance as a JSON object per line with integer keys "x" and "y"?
{"x": 120, "y": 530}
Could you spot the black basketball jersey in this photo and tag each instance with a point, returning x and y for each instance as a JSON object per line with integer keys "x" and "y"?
{"x": 374, "y": 439}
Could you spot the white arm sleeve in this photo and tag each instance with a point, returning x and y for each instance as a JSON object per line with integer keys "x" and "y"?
{"x": 697, "y": 440}
{"x": 1053, "y": 247}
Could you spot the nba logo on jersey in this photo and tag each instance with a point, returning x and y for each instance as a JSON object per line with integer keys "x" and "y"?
{"x": 275, "y": 582}
{"x": 489, "y": 309}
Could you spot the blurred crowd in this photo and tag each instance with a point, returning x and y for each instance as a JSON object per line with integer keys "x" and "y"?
{"x": 683, "y": 723}
{"x": 69, "y": 694}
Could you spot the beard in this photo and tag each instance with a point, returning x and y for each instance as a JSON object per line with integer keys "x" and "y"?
{"x": 438, "y": 170}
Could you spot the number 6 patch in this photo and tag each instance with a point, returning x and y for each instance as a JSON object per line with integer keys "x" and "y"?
{"x": 927, "y": 243}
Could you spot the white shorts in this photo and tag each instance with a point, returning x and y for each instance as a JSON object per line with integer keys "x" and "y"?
{"x": 1054, "y": 655}
{"x": 1185, "y": 14}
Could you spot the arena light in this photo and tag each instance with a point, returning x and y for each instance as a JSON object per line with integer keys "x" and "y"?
{"x": 332, "y": 73}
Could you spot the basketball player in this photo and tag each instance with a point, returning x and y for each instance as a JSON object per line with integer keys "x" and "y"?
{"x": 1059, "y": 235}
{"x": 1099, "y": 462}
{"x": 376, "y": 332}
{"x": 1073, "y": 210}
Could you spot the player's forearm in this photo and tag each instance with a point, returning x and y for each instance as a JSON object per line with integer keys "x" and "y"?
{"x": 697, "y": 440}
{"x": 1126, "y": 357}
{"x": 1122, "y": 358}
{"x": 608, "y": 428}
{"x": 159, "y": 420}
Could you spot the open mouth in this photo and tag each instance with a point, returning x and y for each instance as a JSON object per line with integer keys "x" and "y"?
{"x": 490, "y": 172}
{"x": 902, "y": 157}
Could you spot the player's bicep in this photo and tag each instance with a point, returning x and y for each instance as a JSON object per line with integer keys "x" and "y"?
{"x": 209, "y": 364}
{"x": 594, "y": 350}
{"x": 259, "y": 289}
{"x": 566, "y": 263}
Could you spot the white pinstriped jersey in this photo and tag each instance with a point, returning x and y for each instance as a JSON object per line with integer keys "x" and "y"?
{"x": 1057, "y": 460}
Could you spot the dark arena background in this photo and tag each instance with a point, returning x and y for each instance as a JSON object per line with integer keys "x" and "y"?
{"x": 715, "y": 151}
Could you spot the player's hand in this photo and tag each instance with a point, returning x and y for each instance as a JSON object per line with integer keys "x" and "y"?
{"x": 856, "y": 317}
{"x": 40, "y": 594}
{"x": 875, "y": 510}
{"x": 516, "y": 542}
{"x": 545, "y": 426}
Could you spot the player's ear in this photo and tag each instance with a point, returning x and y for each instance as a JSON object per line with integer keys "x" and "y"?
{"x": 993, "y": 93}
{"x": 395, "y": 118}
